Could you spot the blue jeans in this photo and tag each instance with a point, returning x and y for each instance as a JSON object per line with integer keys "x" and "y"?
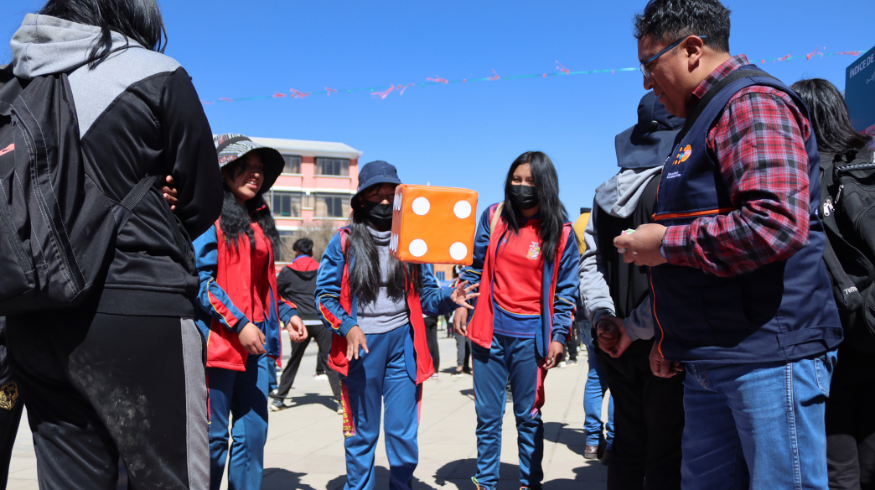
{"x": 758, "y": 426}
{"x": 593, "y": 394}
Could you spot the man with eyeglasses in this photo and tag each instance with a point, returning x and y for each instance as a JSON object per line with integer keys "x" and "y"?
{"x": 740, "y": 295}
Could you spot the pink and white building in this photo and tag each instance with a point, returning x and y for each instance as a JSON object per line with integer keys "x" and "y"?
{"x": 316, "y": 185}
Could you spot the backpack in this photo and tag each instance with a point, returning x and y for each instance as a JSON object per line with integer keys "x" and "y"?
{"x": 57, "y": 226}
{"x": 848, "y": 213}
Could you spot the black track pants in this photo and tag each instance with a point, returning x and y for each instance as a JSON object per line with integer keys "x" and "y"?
{"x": 850, "y": 422}
{"x": 648, "y": 422}
{"x": 100, "y": 386}
{"x": 10, "y": 412}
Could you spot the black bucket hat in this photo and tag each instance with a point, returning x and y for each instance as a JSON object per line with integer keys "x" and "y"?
{"x": 648, "y": 143}
{"x": 231, "y": 146}
{"x": 376, "y": 172}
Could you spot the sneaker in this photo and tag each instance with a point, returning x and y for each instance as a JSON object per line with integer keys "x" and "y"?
{"x": 321, "y": 377}
{"x": 459, "y": 374}
{"x": 272, "y": 393}
{"x": 509, "y": 396}
{"x": 561, "y": 364}
{"x": 339, "y": 403}
{"x": 277, "y": 405}
{"x": 572, "y": 362}
{"x": 434, "y": 376}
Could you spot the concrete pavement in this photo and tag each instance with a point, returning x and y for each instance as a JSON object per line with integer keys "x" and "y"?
{"x": 305, "y": 442}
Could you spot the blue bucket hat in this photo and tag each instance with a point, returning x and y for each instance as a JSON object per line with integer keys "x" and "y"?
{"x": 648, "y": 143}
{"x": 376, "y": 172}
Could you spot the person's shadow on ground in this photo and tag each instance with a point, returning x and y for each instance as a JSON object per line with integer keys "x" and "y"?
{"x": 280, "y": 479}
{"x": 311, "y": 398}
{"x": 381, "y": 475}
{"x": 459, "y": 473}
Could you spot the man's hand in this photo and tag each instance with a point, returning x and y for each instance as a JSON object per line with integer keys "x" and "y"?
{"x": 252, "y": 339}
{"x": 297, "y": 330}
{"x": 355, "y": 338}
{"x": 171, "y": 195}
{"x": 461, "y": 294}
{"x": 661, "y": 366}
{"x": 553, "y": 354}
{"x": 642, "y": 246}
{"x": 460, "y": 321}
{"x": 612, "y": 337}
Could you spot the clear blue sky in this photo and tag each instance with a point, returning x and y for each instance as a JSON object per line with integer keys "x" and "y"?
{"x": 463, "y": 135}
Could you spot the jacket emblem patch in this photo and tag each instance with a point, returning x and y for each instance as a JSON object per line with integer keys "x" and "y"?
{"x": 534, "y": 251}
{"x": 7, "y": 149}
{"x": 683, "y": 155}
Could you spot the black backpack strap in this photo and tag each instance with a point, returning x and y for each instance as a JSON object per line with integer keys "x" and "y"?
{"x": 851, "y": 299}
{"x": 123, "y": 211}
{"x": 138, "y": 192}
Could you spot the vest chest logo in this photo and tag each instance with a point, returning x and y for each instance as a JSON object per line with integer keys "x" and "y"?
{"x": 683, "y": 155}
{"x": 7, "y": 149}
{"x": 534, "y": 251}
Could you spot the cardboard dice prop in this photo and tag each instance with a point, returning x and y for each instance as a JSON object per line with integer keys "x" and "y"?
{"x": 433, "y": 225}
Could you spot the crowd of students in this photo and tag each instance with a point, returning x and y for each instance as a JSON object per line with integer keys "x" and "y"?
{"x": 715, "y": 325}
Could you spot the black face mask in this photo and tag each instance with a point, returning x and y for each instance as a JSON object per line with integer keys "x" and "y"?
{"x": 380, "y": 215}
{"x": 524, "y": 196}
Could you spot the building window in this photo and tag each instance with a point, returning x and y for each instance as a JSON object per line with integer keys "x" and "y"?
{"x": 332, "y": 206}
{"x": 285, "y": 204}
{"x": 332, "y": 166}
{"x": 292, "y": 164}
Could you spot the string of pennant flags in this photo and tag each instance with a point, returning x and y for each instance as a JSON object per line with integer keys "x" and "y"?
{"x": 382, "y": 92}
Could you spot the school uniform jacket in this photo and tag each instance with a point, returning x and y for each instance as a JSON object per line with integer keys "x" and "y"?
{"x": 338, "y": 306}
{"x": 560, "y": 285}
{"x": 225, "y": 284}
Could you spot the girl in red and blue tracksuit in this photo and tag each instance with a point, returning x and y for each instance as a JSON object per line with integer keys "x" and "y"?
{"x": 240, "y": 311}
{"x": 525, "y": 259}
{"x": 374, "y": 303}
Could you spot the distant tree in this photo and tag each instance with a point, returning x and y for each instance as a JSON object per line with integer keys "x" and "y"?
{"x": 320, "y": 232}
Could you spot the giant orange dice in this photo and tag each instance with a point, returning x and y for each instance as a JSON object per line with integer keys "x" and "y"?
{"x": 434, "y": 225}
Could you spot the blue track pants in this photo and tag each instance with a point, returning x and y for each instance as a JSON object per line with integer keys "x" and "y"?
{"x": 242, "y": 394}
{"x": 377, "y": 380}
{"x": 515, "y": 359}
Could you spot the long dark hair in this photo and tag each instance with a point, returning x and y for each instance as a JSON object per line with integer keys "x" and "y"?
{"x": 364, "y": 275}
{"x": 829, "y": 116}
{"x": 139, "y": 20}
{"x": 553, "y": 214}
{"x": 237, "y": 218}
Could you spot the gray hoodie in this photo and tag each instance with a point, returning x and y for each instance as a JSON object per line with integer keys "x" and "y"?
{"x": 619, "y": 196}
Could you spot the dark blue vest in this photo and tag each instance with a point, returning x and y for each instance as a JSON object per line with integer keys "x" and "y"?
{"x": 782, "y": 311}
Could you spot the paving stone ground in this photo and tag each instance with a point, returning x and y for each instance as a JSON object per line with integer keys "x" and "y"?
{"x": 305, "y": 442}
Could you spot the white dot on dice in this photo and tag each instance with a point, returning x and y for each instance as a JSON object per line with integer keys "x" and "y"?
{"x": 458, "y": 251}
{"x": 421, "y": 206}
{"x": 418, "y": 248}
{"x": 462, "y": 209}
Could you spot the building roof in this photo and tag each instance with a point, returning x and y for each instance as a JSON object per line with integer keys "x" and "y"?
{"x": 309, "y": 148}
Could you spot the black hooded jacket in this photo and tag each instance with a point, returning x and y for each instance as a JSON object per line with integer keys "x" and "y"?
{"x": 297, "y": 283}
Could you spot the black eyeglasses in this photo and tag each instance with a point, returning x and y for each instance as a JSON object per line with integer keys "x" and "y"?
{"x": 643, "y": 66}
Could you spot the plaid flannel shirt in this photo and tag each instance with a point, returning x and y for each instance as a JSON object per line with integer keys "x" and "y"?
{"x": 759, "y": 142}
